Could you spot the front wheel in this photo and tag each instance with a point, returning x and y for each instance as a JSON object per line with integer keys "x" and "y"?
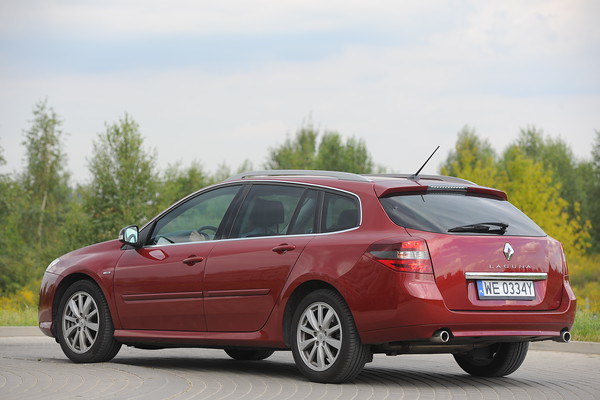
{"x": 85, "y": 328}
{"x": 325, "y": 342}
{"x": 500, "y": 359}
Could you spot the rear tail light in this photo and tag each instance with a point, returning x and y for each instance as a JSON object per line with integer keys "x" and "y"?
{"x": 564, "y": 261}
{"x": 407, "y": 256}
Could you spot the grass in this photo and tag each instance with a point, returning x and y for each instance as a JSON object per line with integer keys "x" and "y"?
{"x": 586, "y": 327}
{"x": 28, "y": 316}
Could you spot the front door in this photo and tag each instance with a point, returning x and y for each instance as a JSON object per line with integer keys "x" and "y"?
{"x": 161, "y": 285}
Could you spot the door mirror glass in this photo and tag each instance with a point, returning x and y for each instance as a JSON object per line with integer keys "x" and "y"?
{"x": 130, "y": 235}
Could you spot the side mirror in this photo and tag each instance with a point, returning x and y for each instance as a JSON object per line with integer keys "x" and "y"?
{"x": 130, "y": 235}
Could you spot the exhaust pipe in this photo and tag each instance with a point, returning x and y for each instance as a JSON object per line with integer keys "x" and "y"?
{"x": 440, "y": 336}
{"x": 565, "y": 336}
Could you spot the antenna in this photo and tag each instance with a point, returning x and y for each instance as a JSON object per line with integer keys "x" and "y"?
{"x": 415, "y": 177}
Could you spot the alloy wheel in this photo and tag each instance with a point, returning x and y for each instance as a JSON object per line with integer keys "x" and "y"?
{"x": 319, "y": 336}
{"x": 80, "y": 322}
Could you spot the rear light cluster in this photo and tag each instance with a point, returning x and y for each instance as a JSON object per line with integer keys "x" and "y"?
{"x": 564, "y": 262}
{"x": 407, "y": 256}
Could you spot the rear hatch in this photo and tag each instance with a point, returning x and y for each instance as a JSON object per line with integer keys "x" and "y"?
{"x": 485, "y": 253}
{"x": 473, "y": 273}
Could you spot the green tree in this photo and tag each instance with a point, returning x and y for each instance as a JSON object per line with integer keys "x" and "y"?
{"x": 593, "y": 195}
{"x": 557, "y": 156}
{"x": 176, "y": 183}
{"x": 78, "y": 229}
{"x": 335, "y": 155}
{"x": 123, "y": 186}
{"x": 295, "y": 153}
{"x": 45, "y": 179}
{"x": 33, "y": 204}
{"x": 473, "y": 159}
{"x": 4, "y": 191}
{"x": 529, "y": 184}
{"x": 17, "y": 262}
{"x": 332, "y": 153}
{"x": 4, "y": 204}
{"x": 12, "y": 275}
{"x": 532, "y": 188}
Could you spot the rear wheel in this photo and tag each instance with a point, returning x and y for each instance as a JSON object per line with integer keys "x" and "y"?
{"x": 500, "y": 359}
{"x": 85, "y": 329}
{"x": 325, "y": 342}
{"x": 249, "y": 354}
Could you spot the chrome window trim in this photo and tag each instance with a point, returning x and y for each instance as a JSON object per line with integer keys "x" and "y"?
{"x": 250, "y": 181}
{"x": 250, "y": 238}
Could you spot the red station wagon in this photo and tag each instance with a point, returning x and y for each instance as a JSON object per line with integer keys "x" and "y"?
{"x": 334, "y": 266}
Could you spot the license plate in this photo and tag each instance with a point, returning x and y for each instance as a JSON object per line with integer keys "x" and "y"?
{"x": 505, "y": 290}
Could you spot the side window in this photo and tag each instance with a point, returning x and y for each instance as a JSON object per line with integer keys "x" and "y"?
{"x": 195, "y": 220}
{"x": 304, "y": 219}
{"x": 340, "y": 213}
{"x": 267, "y": 211}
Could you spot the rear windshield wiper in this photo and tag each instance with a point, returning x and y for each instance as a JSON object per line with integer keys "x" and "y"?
{"x": 482, "y": 227}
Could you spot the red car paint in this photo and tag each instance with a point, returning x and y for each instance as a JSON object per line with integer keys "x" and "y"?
{"x": 239, "y": 291}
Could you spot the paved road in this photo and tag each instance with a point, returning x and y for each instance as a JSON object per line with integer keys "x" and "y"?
{"x": 35, "y": 368}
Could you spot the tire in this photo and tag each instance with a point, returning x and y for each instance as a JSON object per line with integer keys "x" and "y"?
{"x": 325, "y": 343}
{"x": 249, "y": 354}
{"x": 500, "y": 359}
{"x": 85, "y": 329}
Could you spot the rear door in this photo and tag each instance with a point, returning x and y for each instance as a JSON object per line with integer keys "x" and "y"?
{"x": 245, "y": 274}
{"x": 485, "y": 253}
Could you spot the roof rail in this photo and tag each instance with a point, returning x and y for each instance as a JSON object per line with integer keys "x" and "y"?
{"x": 346, "y": 176}
{"x": 444, "y": 178}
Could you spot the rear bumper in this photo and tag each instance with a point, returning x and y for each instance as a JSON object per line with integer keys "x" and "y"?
{"x": 421, "y": 312}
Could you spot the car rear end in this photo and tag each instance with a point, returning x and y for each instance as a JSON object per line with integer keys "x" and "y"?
{"x": 470, "y": 269}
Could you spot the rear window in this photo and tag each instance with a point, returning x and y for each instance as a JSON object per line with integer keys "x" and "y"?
{"x": 440, "y": 212}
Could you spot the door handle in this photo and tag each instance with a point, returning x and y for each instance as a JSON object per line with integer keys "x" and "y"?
{"x": 282, "y": 248}
{"x": 191, "y": 260}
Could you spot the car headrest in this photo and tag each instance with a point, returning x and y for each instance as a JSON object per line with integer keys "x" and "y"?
{"x": 266, "y": 212}
{"x": 347, "y": 219}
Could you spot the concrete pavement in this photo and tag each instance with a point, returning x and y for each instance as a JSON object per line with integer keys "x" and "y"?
{"x": 34, "y": 367}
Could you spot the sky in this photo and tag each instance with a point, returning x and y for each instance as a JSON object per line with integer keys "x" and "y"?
{"x": 225, "y": 81}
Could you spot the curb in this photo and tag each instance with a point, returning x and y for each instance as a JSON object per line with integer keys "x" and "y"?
{"x": 547, "y": 345}
{"x": 15, "y": 331}
{"x": 571, "y": 347}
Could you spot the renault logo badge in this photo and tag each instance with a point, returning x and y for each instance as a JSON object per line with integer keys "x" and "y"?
{"x": 508, "y": 251}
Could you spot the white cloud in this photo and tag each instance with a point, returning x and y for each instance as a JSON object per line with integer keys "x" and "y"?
{"x": 495, "y": 66}
{"x": 192, "y": 16}
{"x": 401, "y": 110}
{"x": 512, "y": 23}
{"x": 524, "y": 29}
